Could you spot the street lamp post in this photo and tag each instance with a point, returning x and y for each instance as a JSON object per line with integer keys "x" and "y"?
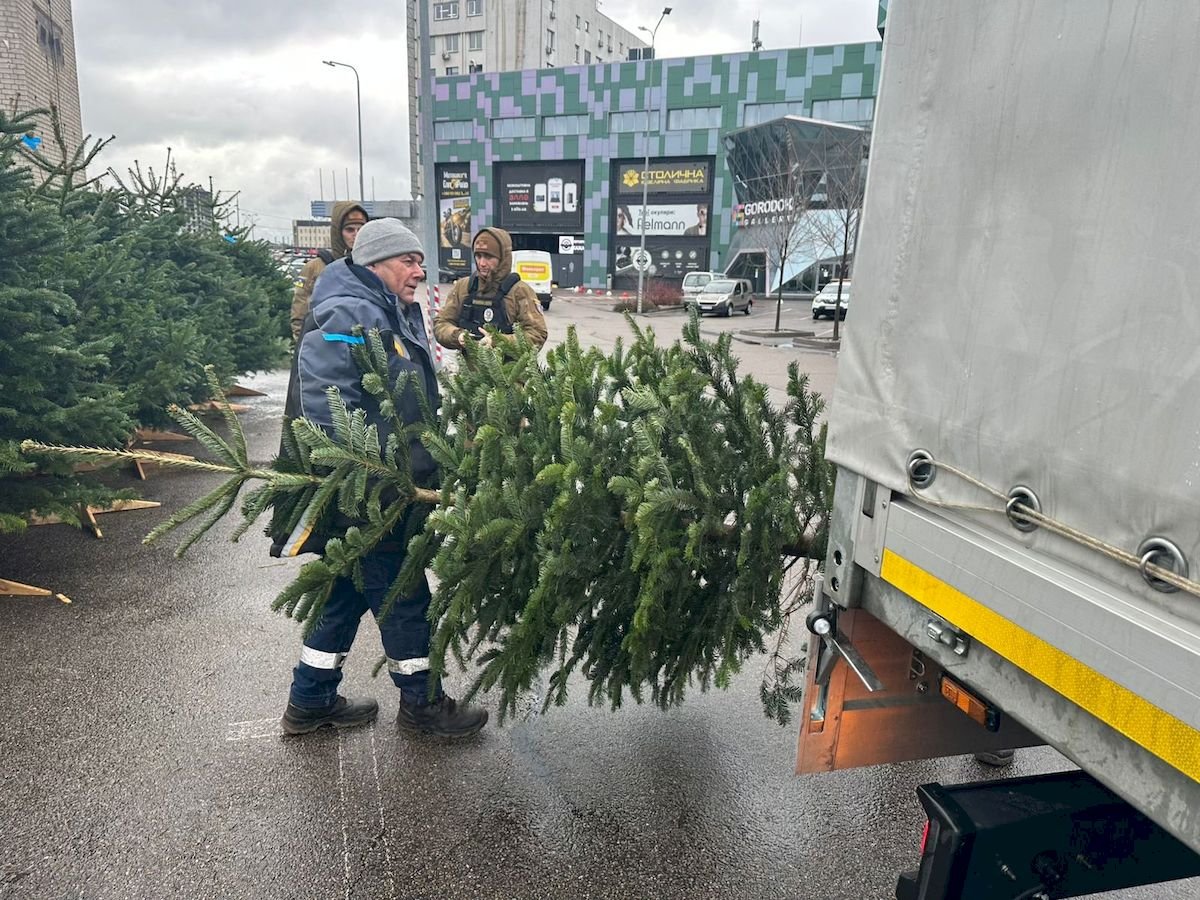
{"x": 362, "y": 192}
{"x": 646, "y": 168}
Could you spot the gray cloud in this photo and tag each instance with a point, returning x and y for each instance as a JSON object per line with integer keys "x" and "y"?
{"x": 141, "y": 32}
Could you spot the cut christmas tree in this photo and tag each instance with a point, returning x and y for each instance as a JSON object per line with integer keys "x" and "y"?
{"x": 631, "y": 518}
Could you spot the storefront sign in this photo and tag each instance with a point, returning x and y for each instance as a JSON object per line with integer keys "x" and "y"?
{"x": 764, "y": 212}
{"x": 675, "y": 177}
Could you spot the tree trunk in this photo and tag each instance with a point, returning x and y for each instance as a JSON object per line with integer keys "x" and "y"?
{"x": 779, "y": 299}
{"x": 837, "y": 312}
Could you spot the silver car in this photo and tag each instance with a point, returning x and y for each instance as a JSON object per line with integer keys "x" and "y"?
{"x": 725, "y": 296}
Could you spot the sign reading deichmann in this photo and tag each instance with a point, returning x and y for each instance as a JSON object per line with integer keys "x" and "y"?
{"x": 689, "y": 176}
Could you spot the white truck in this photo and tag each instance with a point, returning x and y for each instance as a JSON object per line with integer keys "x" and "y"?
{"x": 1015, "y": 544}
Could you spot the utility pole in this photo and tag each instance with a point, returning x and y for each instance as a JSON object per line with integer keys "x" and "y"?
{"x": 642, "y": 266}
{"x": 427, "y": 212}
{"x": 362, "y": 191}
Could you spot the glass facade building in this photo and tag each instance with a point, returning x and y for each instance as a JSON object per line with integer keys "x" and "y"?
{"x": 558, "y": 155}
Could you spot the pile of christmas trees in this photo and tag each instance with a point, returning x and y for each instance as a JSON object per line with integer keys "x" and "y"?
{"x": 109, "y": 308}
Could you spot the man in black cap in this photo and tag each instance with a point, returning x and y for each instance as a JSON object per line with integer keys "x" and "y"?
{"x": 374, "y": 287}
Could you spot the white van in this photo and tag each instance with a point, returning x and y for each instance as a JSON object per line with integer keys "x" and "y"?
{"x": 537, "y": 270}
{"x": 694, "y": 282}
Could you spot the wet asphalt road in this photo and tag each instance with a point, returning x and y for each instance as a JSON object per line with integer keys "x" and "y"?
{"x": 141, "y": 755}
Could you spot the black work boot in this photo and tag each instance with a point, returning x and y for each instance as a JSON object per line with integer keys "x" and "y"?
{"x": 343, "y": 714}
{"x": 443, "y": 717}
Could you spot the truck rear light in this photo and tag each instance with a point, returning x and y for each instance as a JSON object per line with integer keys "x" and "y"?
{"x": 976, "y": 708}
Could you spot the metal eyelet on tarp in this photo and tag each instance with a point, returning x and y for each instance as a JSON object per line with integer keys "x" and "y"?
{"x": 1020, "y": 495}
{"x": 1161, "y": 552}
{"x": 921, "y": 469}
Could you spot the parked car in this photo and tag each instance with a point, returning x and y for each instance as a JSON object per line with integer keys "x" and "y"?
{"x": 694, "y": 282}
{"x": 826, "y": 302}
{"x": 724, "y": 295}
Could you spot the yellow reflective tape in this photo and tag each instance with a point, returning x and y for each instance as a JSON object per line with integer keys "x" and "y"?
{"x": 1170, "y": 739}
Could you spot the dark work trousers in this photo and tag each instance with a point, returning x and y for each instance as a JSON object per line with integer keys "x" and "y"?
{"x": 405, "y": 633}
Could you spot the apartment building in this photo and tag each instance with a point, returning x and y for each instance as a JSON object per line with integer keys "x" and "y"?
{"x": 509, "y": 35}
{"x": 37, "y": 67}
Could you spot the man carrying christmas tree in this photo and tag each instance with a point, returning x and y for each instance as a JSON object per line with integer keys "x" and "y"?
{"x": 374, "y": 287}
{"x": 347, "y": 218}
{"x": 494, "y": 296}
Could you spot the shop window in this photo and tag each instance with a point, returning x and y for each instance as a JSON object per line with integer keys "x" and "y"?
{"x": 522, "y": 127}
{"x": 632, "y": 121}
{"x": 854, "y": 109}
{"x": 757, "y": 113}
{"x": 457, "y": 130}
{"x": 556, "y": 125}
{"x": 694, "y": 117}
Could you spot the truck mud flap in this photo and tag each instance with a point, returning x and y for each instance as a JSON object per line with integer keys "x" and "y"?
{"x": 1057, "y": 835}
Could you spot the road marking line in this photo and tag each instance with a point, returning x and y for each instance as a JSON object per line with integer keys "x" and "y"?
{"x": 387, "y": 850}
{"x": 345, "y": 812}
{"x": 251, "y": 730}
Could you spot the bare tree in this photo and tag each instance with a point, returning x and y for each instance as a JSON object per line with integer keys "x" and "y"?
{"x": 844, "y": 183}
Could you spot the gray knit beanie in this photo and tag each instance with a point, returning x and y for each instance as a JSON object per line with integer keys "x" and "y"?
{"x": 382, "y": 239}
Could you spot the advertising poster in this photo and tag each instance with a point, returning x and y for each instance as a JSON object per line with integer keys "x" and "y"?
{"x": 673, "y": 260}
{"x": 454, "y": 219}
{"x": 540, "y": 196}
{"x": 680, "y": 219}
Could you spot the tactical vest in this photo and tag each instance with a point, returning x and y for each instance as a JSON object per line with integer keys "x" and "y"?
{"x": 477, "y": 312}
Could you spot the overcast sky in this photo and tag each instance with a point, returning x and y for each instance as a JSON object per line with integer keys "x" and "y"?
{"x": 236, "y": 88}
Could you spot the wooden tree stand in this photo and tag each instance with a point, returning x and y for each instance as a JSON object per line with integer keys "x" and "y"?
{"x": 16, "y": 589}
{"x": 87, "y": 514}
{"x": 239, "y": 391}
{"x": 149, "y": 436}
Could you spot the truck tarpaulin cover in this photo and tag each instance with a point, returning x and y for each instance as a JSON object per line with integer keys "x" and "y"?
{"x": 1027, "y": 288}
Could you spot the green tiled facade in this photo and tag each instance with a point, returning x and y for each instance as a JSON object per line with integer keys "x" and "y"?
{"x": 469, "y": 106}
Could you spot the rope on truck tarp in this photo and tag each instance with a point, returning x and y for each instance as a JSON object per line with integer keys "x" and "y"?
{"x": 1014, "y": 508}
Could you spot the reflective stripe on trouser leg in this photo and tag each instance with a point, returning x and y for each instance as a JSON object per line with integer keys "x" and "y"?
{"x": 322, "y": 659}
{"x": 408, "y": 666}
